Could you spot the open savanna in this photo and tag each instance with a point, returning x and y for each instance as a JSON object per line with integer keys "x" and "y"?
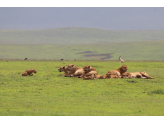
{"x": 49, "y": 94}
{"x": 81, "y": 44}
{"x": 146, "y": 50}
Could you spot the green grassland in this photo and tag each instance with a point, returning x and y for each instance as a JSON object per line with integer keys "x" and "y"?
{"x": 147, "y": 50}
{"x": 49, "y": 94}
{"x": 82, "y": 44}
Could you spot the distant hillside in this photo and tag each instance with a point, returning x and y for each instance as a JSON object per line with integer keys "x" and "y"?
{"x": 77, "y": 36}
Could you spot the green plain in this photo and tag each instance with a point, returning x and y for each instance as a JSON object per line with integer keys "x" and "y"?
{"x": 149, "y": 50}
{"x": 78, "y": 43}
{"x": 49, "y": 94}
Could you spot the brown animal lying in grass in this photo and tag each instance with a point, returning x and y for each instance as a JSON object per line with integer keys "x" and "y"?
{"x": 118, "y": 72}
{"x": 94, "y": 76}
{"x": 69, "y": 66}
{"x": 28, "y": 72}
{"x": 142, "y": 75}
{"x": 64, "y": 69}
{"x": 76, "y": 71}
{"x": 91, "y": 76}
{"x": 88, "y": 70}
{"x": 108, "y": 76}
{"x": 101, "y": 76}
{"x": 112, "y": 74}
{"x": 71, "y": 70}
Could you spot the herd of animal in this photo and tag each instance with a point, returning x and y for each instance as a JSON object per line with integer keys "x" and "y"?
{"x": 88, "y": 72}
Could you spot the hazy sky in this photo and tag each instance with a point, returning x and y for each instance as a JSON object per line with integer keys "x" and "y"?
{"x": 111, "y": 18}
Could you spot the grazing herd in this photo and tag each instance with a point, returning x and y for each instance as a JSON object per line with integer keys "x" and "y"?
{"x": 88, "y": 72}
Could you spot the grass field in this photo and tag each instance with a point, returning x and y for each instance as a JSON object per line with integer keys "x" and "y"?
{"x": 49, "y": 94}
{"x": 147, "y": 50}
{"x": 81, "y": 44}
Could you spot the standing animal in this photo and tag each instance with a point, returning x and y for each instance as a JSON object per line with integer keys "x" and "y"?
{"x": 121, "y": 60}
{"x": 29, "y": 72}
{"x": 25, "y": 59}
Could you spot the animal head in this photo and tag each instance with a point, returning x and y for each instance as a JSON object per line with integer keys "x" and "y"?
{"x": 61, "y": 68}
{"x": 87, "y": 68}
{"x": 70, "y": 66}
{"x": 74, "y": 67}
{"x": 34, "y": 71}
{"x": 124, "y": 68}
